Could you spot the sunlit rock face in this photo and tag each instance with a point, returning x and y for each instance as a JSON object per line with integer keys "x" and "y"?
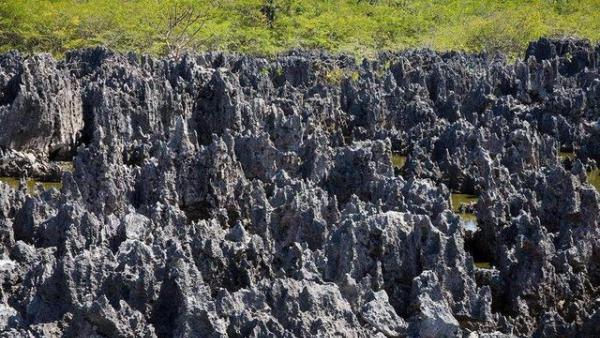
{"x": 416, "y": 195}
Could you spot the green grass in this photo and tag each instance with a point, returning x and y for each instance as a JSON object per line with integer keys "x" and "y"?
{"x": 268, "y": 27}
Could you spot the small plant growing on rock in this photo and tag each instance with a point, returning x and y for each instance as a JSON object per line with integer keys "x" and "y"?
{"x": 279, "y": 71}
{"x": 334, "y": 77}
{"x": 265, "y": 71}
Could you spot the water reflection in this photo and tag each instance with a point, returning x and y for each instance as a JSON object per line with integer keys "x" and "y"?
{"x": 15, "y": 182}
{"x": 398, "y": 160}
{"x": 469, "y": 219}
{"x": 483, "y": 265}
{"x": 593, "y": 176}
{"x": 563, "y": 155}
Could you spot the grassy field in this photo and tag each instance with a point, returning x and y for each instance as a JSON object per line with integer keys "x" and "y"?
{"x": 267, "y": 27}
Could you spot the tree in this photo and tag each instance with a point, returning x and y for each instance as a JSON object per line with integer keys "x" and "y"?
{"x": 179, "y": 24}
{"x": 272, "y": 8}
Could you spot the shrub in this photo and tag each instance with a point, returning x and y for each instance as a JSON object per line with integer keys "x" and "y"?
{"x": 267, "y": 27}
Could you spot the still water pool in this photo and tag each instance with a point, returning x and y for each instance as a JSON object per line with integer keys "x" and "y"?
{"x": 398, "y": 160}
{"x": 593, "y": 176}
{"x": 563, "y": 155}
{"x": 469, "y": 219}
{"x": 14, "y": 183}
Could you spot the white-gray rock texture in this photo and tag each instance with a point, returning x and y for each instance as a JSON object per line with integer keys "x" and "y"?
{"x": 236, "y": 196}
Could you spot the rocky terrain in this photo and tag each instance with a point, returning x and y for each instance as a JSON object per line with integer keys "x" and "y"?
{"x": 235, "y": 196}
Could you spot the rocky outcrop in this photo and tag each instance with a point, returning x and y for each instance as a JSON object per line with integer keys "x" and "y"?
{"x": 40, "y": 106}
{"x": 228, "y": 195}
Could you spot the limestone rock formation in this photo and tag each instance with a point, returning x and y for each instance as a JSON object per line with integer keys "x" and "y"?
{"x": 234, "y": 196}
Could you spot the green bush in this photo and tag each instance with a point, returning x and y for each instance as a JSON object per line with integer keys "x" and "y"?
{"x": 267, "y": 27}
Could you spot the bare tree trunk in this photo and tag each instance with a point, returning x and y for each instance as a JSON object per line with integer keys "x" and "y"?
{"x": 182, "y": 23}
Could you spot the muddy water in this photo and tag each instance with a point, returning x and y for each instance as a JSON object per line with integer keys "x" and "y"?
{"x": 398, "y": 160}
{"x": 14, "y": 183}
{"x": 593, "y": 177}
{"x": 468, "y": 218}
{"x": 563, "y": 155}
{"x": 483, "y": 265}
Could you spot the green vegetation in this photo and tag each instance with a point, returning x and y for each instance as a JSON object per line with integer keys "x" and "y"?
{"x": 336, "y": 75}
{"x": 266, "y": 27}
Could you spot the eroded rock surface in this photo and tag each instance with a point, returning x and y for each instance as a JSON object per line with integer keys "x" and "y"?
{"x": 234, "y": 196}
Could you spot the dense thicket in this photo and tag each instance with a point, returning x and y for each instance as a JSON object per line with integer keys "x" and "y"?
{"x": 360, "y": 27}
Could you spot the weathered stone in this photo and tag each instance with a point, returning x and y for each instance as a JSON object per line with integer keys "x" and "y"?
{"x": 229, "y": 195}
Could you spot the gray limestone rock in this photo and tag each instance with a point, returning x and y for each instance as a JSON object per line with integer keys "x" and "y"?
{"x": 226, "y": 195}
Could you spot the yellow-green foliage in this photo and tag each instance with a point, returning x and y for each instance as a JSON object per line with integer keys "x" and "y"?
{"x": 336, "y": 75}
{"x": 266, "y": 27}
